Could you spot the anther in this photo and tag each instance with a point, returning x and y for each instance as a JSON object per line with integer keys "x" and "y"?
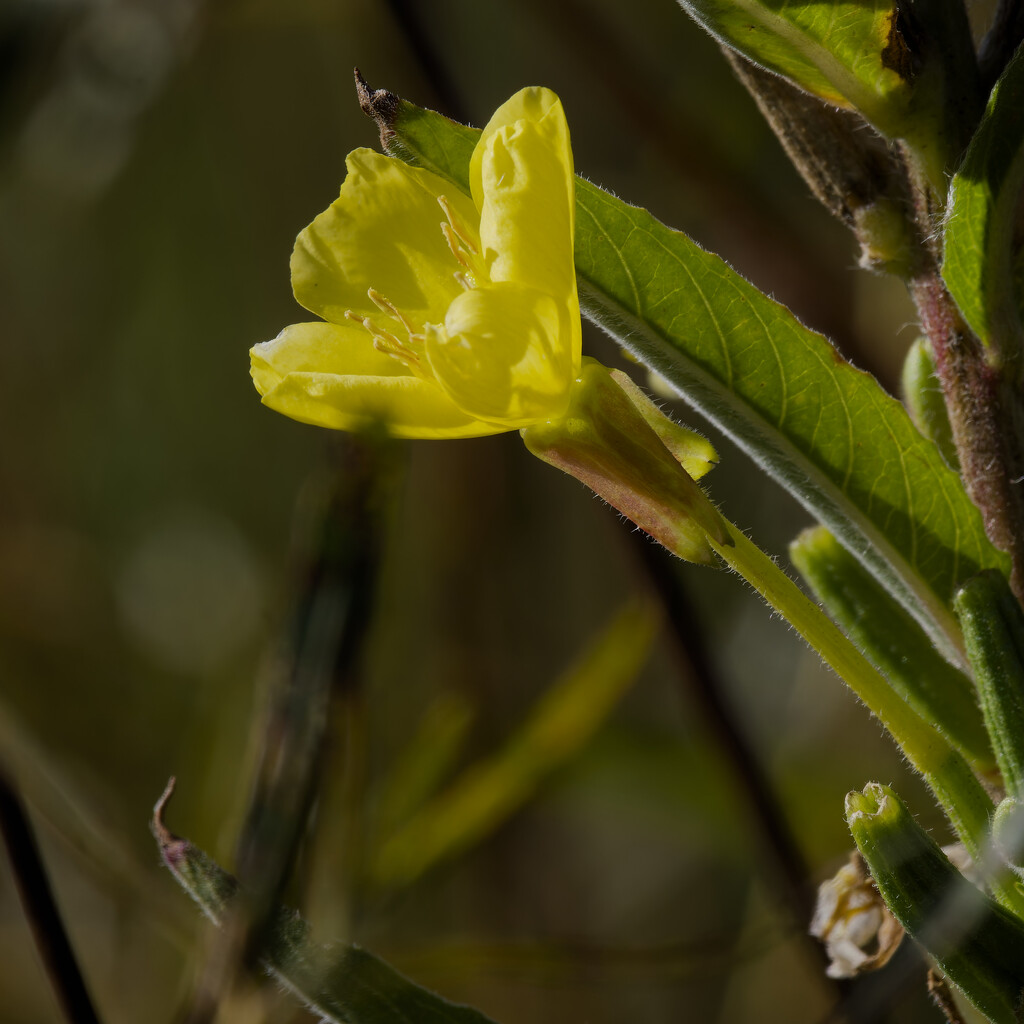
{"x": 391, "y": 346}
{"x": 386, "y": 306}
{"x": 458, "y": 227}
{"x": 385, "y": 341}
{"x": 454, "y": 241}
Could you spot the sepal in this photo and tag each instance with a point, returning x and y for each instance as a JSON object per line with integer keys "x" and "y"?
{"x": 694, "y": 452}
{"x": 605, "y": 441}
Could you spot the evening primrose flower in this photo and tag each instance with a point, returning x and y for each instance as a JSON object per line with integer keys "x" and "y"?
{"x": 446, "y": 315}
{"x": 442, "y": 315}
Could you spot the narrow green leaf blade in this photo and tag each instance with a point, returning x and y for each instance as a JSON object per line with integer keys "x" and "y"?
{"x": 343, "y": 983}
{"x": 491, "y": 790}
{"x": 978, "y": 256}
{"x": 993, "y": 626}
{"x": 893, "y": 643}
{"x": 978, "y": 944}
{"x": 425, "y": 760}
{"x": 824, "y": 430}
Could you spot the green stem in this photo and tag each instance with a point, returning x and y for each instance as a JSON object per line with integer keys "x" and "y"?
{"x": 607, "y": 441}
{"x": 955, "y": 786}
{"x": 886, "y": 634}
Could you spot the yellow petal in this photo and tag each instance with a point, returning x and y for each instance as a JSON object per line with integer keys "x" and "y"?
{"x": 522, "y": 179}
{"x": 497, "y": 355}
{"x": 382, "y": 232}
{"x": 323, "y": 348}
{"x": 331, "y": 376}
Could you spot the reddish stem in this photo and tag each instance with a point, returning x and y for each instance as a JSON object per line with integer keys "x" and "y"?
{"x": 982, "y": 414}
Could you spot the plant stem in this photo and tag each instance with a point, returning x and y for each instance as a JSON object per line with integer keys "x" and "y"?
{"x": 697, "y": 673}
{"x": 339, "y": 533}
{"x": 984, "y": 418}
{"x": 921, "y": 743}
{"x": 955, "y": 786}
{"x": 41, "y": 908}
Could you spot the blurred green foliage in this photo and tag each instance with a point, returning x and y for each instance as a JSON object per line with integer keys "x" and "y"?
{"x": 156, "y": 162}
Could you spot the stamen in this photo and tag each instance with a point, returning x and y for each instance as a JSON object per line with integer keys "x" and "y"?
{"x": 386, "y": 306}
{"x": 454, "y": 240}
{"x": 385, "y": 341}
{"x": 391, "y": 346}
{"x": 464, "y": 235}
{"x": 463, "y": 279}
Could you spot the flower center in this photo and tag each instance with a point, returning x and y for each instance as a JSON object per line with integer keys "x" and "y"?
{"x": 410, "y": 351}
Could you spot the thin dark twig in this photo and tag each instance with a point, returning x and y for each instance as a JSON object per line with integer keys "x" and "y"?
{"x": 41, "y": 908}
{"x": 705, "y": 688}
{"x": 328, "y": 628}
{"x": 694, "y": 661}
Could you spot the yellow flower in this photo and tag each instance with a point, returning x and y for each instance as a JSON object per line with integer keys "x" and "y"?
{"x": 443, "y": 316}
{"x": 450, "y": 316}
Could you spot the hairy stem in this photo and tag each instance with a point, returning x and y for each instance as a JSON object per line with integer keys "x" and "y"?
{"x": 955, "y": 786}
{"x": 984, "y": 416}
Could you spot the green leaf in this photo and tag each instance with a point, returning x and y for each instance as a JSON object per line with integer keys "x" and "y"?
{"x": 993, "y": 626}
{"x": 893, "y": 643}
{"x": 425, "y": 760}
{"x": 978, "y": 944}
{"x": 824, "y": 430}
{"x": 490, "y": 791}
{"x": 909, "y": 70}
{"x": 978, "y": 252}
{"x": 342, "y": 983}
{"x": 850, "y": 54}
{"x": 850, "y": 171}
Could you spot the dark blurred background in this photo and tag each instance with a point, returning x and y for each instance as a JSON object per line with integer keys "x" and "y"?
{"x": 157, "y": 159}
